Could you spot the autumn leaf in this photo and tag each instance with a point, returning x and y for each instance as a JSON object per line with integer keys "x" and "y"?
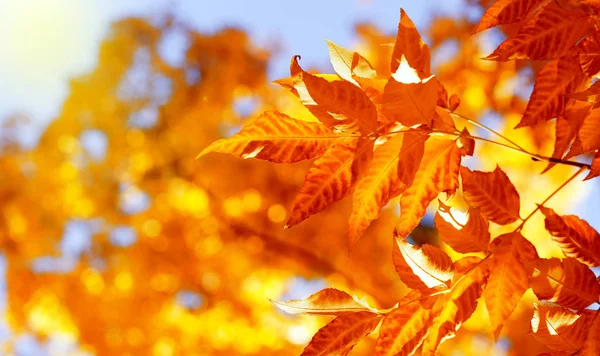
{"x": 492, "y": 193}
{"x": 555, "y": 80}
{"x": 338, "y": 104}
{"x": 424, "y": 267}
{"x": 559, "y": 328}
{"x": 504, "y": 12}
{"x": 591, "y": 345}
{"x": 409, "y": 100}
{"x": 331, "y": 178}
{"x": 328, "y": 301}
{"x": 410, "y": 45}
{"x": 569, "y": 283}
{"x": 575, "y": 236}
{"x": 588, "y": 136}
{"x": 383, "y": 181}
{"x": 566, "y": 129}
{"x": 507, "y": 281}
{"x": 438, "y": 172}
{"x": 595, "y": 167}
{"x": 278, "y": 138}
{"x": 589, "y": 95}
{"x": 348, "y": 64}
{"x": 452, "y": 309}
{"x": 550, "y": 34}
{"x": 404, "y": 329}
{"x": 463, "y": 231}
{"x": 341, "y": 334}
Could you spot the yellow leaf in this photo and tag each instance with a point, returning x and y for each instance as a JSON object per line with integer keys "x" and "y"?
{"x": 328, "y": 301}
{"x": 348, "y": 64}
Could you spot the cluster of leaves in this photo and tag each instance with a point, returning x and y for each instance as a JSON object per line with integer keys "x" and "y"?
{"x": 379, "y": 136}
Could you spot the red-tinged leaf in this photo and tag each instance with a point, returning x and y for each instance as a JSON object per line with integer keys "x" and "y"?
{"x": 452, "y": 309}
{"x": 559, "y": 328}
{"x": 575, "y": 236}
{"x": 453, "y": 102}
{"x": 410, "y": 103}
{"x": 380, "y": 185}
{"x": 422, "y": 268}
{"x": 410, "y": 45}
{"x": 591, "y": 345}
{"x": 590, "y": 95}
{"x": 566, "y": 129}
{"x": 403, "y": 330}
{"x": 328, "y": 301}
{"x": 467, "y": 144}
{"x": 595, "y": 167}
{"x": 504, "y": 12}
{"x": 348, "y": 64}
{"x": 589, "y": 54}
{"x": 550, "y": 34}
{"x": 554, "y": 81}
{"x": 569, "y": 283}
{"x": 330, "y": 178}
{"x": 338, "y": 104}
{"x": 507, "y": 281}
{"x": 341, "y": 334}
{"x": 588, "y": 136}
{"x": 492, "y": 193}
{"x": 278, "y": 138}
{"x": 438, "y": 172}
{"x": 463, "y": 231}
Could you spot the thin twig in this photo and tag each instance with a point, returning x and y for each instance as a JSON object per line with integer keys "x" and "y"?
{"x": 520, "y": 227}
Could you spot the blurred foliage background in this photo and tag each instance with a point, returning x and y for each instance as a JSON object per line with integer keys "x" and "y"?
{"x": 116, "y": 241}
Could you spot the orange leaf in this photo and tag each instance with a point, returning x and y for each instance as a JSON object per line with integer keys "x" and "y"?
{"x": 566, "y": 129}
{"x": 463, "y": 231}
{"x": 588, "y": 136}
{"x": 383, "y": 181}
{"x": 348, "y": 64}
{"x": 557, "y": 78}
{"x": 504, "y": 12}
{"x": 507, "y": 281}
{"x": 341, "y": 334}
{"x": 589, "y": 95}
{"x": 424, "y": 267}
{"x": 589, "y": 54}
{"x": 410, "y": 45}
{"x": 410, "y": 103}
{"x": 278, "y": 138}
{"x": 331, "y": 178}
{"x": 550, "y": 34}
{"x": 338, "y": 104}
{"x": 568, "y": 283}
{"x": 403, "y": 330}
{"x": 437, "y": 172}
{"x": 559, "y": 328}
{"x": 575, "y": 236}
{"x": 595, "y": 168}
{"x": 492, "y": 193}
{"x": 452, "y": 309}
{"x": 328, "y": 301}
{"x": 591, "y": 345}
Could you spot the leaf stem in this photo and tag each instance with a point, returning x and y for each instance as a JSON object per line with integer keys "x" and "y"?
{"x": 478, "y": 124}
{"x": 520, "y": 227}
